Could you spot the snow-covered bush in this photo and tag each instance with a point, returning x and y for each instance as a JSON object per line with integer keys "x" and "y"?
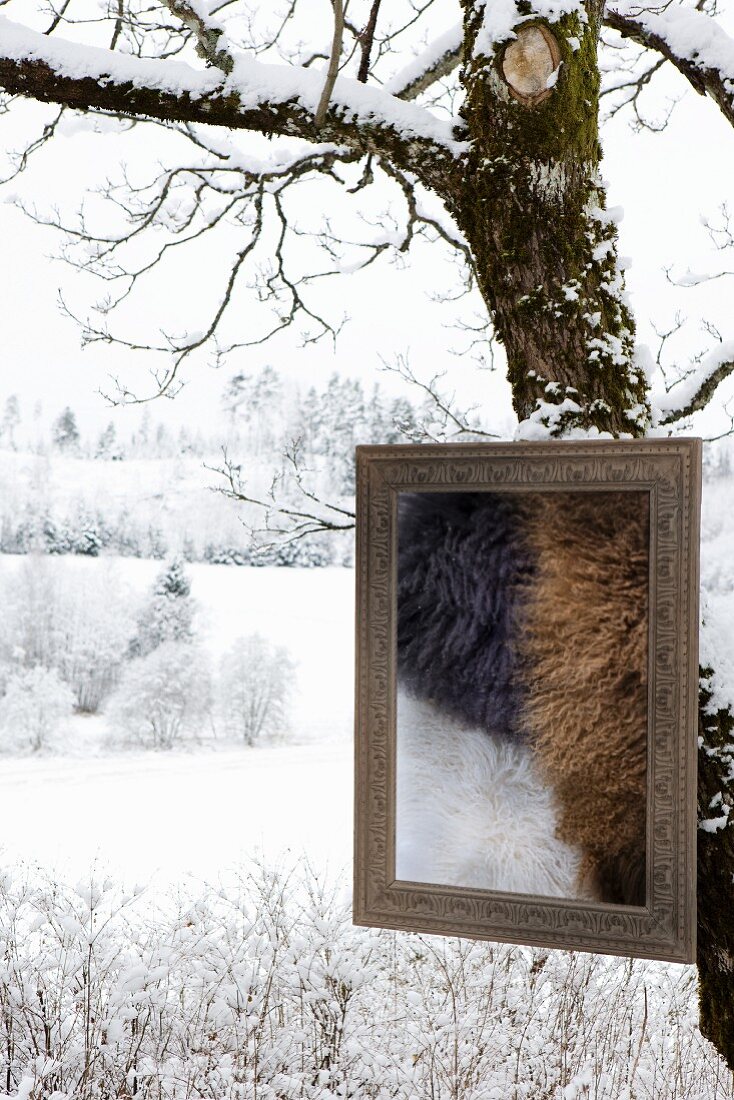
{"x": 162, "y": 697}
{"x": 168, "y": 614}
{"x": 33, "y": 707}
{"x": 75, "y": 621}
{"x": 310, "y": 552}
{"x": 255, "y": 685}
{"x": 262, "y": 988}
{"x": 95, "y": 625}
{"x": 29, "y": 624}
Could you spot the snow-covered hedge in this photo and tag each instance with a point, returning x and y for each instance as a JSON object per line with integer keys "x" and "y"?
{"x": 262, "y": 990}
{"x": 93, "y": 535}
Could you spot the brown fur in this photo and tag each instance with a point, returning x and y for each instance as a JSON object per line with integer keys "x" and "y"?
{"x": 584, "y": 645}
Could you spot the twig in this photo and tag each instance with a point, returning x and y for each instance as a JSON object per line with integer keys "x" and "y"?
{"x": 333, "y": 70}
{"x": 367, "y": 38}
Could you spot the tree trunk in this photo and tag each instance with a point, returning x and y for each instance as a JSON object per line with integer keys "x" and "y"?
{"x": 715, "y": 954}
{"x": 530, "y": 202}
{"x": 529, "y": 199}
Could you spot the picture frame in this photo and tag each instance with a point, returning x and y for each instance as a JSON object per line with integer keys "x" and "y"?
{"x": 564, "y": 478}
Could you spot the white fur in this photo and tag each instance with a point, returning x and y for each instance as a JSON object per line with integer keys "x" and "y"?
{"x": 472, "y": 810}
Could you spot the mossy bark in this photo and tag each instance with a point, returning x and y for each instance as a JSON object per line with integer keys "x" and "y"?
{"x": 529, "y": 200}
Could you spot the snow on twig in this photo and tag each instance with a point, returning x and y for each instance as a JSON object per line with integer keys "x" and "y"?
{"x": 689, "y": 34}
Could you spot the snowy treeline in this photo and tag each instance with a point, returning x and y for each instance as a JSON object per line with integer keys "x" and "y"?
{"x": 95, "y": 532}
{"x": 49, "y": 503}
{"x": 262, "y": 990}
{"x": 259, "y": 412}
{"x": 87, "y": 644}
{"x": 328, "y": 424}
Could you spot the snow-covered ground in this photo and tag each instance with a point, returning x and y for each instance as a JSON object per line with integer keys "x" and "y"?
{"x": 155, "y": 817}
{"x": 199, "y": 809}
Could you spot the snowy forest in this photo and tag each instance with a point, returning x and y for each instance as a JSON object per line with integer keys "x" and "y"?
{"x": 239, "y": 240}
{"x": 62, "y": 495}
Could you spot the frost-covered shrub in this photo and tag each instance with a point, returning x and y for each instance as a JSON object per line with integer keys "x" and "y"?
{"x": 162, "y": 697}
{"x": 262, "y": 988}
{"x": 32, "y": 709}
{"x": 30, "y": 632}
{"x": 73, "y": 620}
{"x": 95, "y": 626}
{"x": 226, "y": 555}
{"x": 309, "y": 553}
{"x": 255, "y": 686}
{"x": 167, "y": 616}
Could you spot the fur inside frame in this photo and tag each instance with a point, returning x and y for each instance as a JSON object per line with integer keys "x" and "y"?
{"x": 522, "y": 628}
{"x": 472, "y": 810}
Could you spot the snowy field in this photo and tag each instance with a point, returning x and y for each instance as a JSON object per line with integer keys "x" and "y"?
{"x": 156, "y": 816}
{"x": 144, "y": 814}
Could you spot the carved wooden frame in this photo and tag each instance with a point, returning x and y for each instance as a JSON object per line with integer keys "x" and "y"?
{"x": 670, "y": 470}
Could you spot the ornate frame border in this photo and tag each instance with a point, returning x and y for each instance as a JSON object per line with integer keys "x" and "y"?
{"x": 670, "y": 470}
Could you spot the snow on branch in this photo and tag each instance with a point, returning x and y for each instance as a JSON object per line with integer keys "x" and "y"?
{"x": 696, "y": 44}
{"x": 695, "y": 391}
{"x": 435, "y": 62}
{"x": 272, "y": 99}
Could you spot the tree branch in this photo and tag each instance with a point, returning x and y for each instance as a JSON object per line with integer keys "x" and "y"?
{"x": 448, "y": 423}
{"x": 692, "y": 41}
{"x": 270, "y": 99}
{"x": 693, "y": 393}
{"x": 333, "y": 69}
{"x": 366, "y": 39}
{"x": 207, "y": 32}
{"x": 296, "y": 522}
{"x": 436, "y": 62}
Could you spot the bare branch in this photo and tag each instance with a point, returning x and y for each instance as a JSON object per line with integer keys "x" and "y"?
{"x": 333, "y": 70}
{"x": 58, "y": 16}
{"x": 629, "y": 92}
{"x": 295, "y": 522}
{"x": 367, "y": 39}
{"x": 452, "y": 424}
{"x": 728, "y": 431}
{"x": 21, "y": 158}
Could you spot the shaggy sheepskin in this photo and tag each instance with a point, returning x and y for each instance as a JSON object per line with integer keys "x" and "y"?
{"x": 472, "y": 810}
{"x": 462, "y": 566}
{"x": 583, "y": 634}
{"x": 522, "y": 655}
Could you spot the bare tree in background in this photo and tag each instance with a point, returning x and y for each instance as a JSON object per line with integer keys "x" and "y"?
{"x": 256, "y": 682}
{"x": 511, "y": 184}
